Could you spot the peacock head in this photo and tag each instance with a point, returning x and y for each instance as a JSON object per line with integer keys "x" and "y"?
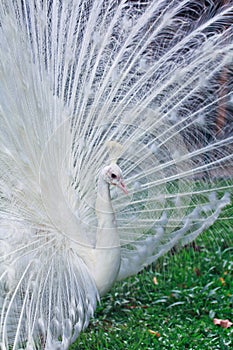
{"x": 112, "y": 174}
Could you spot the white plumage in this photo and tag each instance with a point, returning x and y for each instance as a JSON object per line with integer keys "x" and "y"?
{"x": 84, "y": 85}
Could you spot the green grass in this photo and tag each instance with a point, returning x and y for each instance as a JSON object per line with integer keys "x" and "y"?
{"x": 194, "y": 286}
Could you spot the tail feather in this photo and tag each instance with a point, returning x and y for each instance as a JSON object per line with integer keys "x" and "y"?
{"x": 141, "y": 253}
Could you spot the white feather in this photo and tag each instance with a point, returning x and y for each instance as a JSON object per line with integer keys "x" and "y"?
{"x": 153, "y": 78}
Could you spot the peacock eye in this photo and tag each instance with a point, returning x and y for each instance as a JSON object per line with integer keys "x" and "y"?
{"x": 114, "y": 176}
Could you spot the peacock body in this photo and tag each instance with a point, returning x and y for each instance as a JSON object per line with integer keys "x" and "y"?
{"x": 116, "y": 145}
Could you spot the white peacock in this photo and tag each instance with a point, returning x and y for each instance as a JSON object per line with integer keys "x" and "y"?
{"x": 116, "y": 128}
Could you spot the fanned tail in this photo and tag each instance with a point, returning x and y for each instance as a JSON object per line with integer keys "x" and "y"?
{"x": 154, "y": 77}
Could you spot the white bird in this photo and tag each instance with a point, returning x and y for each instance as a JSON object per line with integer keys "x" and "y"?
{"x": 115, "y": 146}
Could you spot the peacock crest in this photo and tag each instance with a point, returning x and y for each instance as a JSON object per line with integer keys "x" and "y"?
{"x": 114, "y": 150}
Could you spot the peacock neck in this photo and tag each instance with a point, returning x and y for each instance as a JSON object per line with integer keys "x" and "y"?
{"x": 107, "y": 236}
{"x": 103, "y": 195}
{"x": 103, "y": 261}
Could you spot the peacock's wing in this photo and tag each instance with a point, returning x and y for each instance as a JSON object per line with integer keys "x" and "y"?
{"x": 46, "y": 294}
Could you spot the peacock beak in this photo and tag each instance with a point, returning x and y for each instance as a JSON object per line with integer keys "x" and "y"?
{"x": 122, "y": 186}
